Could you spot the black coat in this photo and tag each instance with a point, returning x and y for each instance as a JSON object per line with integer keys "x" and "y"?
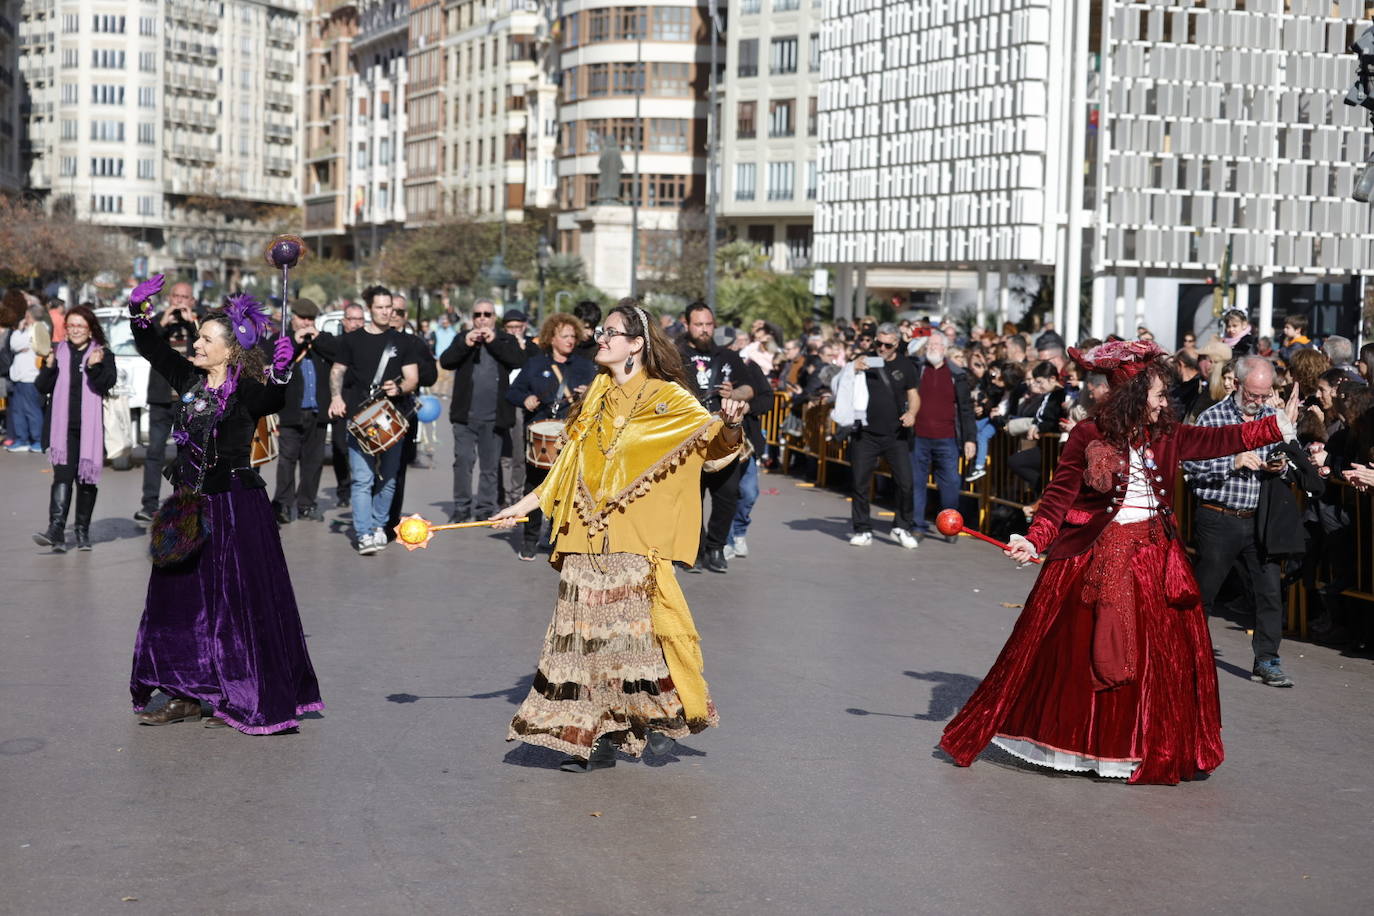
{"x": 318, "y": 350}
{"x": 1277, "y": 519}
{"x": 461, "y": 358}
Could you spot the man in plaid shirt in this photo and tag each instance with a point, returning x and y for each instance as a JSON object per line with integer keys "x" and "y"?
{"x": 1228, "y": 492}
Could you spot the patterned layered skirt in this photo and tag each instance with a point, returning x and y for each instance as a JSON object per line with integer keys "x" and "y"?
{"x": 602, "y": 671}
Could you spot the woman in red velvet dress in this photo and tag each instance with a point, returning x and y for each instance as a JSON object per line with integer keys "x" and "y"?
{"x": 1109, "y": 668}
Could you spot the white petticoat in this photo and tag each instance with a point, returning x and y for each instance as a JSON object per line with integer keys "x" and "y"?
{"x": 1067, "y": 761}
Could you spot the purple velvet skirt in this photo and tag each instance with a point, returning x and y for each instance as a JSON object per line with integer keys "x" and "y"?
{"x": 223, "y": 627}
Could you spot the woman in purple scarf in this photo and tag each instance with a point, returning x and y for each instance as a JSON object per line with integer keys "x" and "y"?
{"x": 220, "y": 627}
{"x": 78, "y": 373}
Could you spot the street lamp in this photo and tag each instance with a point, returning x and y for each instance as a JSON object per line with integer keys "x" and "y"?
{"x": 497, "y": 274}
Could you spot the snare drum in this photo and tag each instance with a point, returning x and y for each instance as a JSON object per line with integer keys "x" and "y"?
{"x": 543, "y": 442}
{"x": 264, "y": 441}
{"x": 378, "y": 425}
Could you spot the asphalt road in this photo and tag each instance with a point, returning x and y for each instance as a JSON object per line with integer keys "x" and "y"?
{"x": 835, "y": 669}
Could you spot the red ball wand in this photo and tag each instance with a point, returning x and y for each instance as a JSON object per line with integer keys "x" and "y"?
{"x": 949, "y": 523}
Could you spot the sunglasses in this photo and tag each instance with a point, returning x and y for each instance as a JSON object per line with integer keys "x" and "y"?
{"x": 483, "y": 314}
{"x": 886, "y": 346}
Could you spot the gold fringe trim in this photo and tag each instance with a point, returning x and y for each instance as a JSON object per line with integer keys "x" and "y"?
{"x": 596, "y": 520}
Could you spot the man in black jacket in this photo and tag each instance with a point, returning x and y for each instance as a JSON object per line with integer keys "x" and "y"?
{"x": 716, "y": 373}
{"x": 303, "y": 421}
{"x": 944, "y": 423}
{"x": 177, "y": 324}
{"x": 482, "y": 360}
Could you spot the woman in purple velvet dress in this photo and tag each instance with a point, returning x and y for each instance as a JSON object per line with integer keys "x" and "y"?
{"x": 220, "y": 627}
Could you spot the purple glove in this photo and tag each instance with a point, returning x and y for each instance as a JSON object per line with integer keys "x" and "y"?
{"x": 282, "y": 353}
{"x": 146, "y": 290}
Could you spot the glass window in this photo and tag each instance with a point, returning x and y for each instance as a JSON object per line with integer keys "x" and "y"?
{"x": 780, "y": 180}
{"x": 749, "y": 6}
{"x": 672, "y": 79}
{"x": 748, "y": 57}
{"x": 783, "y": 6}
{"x": 783, "y": 55}
{"x": 668, "y": 135}
{"x": 673, "y": 23}
{"x": 745, "y": 175}
{"x": 746, "y": 120}
{"x": 813, "y": 47}
{"x": 782, "y": 118}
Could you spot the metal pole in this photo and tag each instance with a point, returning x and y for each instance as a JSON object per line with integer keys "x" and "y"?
{"x": 639, "y": 184}
{"x": 712, "y": 160}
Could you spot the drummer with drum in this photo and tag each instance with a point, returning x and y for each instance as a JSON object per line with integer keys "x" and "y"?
{"x": 550, "y": 381}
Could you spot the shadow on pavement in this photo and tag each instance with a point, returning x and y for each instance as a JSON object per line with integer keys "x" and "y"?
{"x": 949, "y": 693}
{"x": 835, "y": 527}
{"x": 515, "y": 694}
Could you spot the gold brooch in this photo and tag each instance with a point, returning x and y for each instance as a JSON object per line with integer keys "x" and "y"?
{"x": 618, "y": 422}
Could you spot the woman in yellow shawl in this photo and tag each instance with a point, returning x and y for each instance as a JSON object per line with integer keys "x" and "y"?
{"x": 621, "y": 666}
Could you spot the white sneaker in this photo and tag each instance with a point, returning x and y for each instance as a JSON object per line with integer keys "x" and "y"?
{"x": 730, "y": 553}
{"x": 741, "y": 547}
{"x": 379, "y": 538}
{"x": 975, "y": 474}
{"x": 366, "y": 545}
{"x": 905, "y": 538}
{"x": 861, "y": 539}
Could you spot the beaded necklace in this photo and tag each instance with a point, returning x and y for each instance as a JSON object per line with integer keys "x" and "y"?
{"x": 619, "y": 422}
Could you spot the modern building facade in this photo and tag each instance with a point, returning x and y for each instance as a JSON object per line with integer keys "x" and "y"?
{"x": 174, "y": 122}
{"x": 769, "y": 126}
{"x": 1123, "y": 145}
{"x": 633, "y": 104}
{"x": 11, "y": 124}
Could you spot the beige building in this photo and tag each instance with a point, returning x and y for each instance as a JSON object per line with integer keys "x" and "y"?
{"x": 376, "y": 161}
{"x": 333, "y": 24}
{"x": 633, "y": 80}
{"x": 769, "y": 125}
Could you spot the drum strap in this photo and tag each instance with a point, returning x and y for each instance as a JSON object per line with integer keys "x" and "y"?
{"x": 387, "y": 355}
{"x": 562, "y": 391}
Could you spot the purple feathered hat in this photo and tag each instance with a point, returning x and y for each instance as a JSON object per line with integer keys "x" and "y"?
{"x": 250, "y": 320}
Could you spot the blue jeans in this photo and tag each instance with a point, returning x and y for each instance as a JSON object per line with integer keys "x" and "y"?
{"x": 985, "y": 433}
{"x": 374, "y": 483}
{"x": 943, "y": 454}
{"x": 748, "y": 495}
{"x": 26, "y": 412}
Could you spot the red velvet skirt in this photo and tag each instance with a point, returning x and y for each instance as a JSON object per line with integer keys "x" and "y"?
{"x": 1109, "y": 668}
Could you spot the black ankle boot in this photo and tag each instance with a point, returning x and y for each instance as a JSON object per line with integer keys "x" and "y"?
{"x": 59, "y": 501}
{"x": 602, "y": 757}
{"x": 85, "y": 507}
{"x": 660, "y": 745}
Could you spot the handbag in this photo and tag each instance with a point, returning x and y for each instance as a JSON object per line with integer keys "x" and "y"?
{"x": 179, "y": 529}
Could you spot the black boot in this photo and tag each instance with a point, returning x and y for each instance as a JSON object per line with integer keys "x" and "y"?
{"x": 659, "y": 744}
{"x": 714, "y": 559}
{"x": 59, "y": 501}
{"x": 85, "y": 506}
{"x": 602, "y": 757}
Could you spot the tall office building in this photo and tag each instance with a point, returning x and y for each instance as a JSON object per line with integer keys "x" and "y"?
{"x": 501, "y": 137}
{"x": 1128, "y": 145}
{"x": 633, "y": 79}
{"x": 425, "y": 112}
{"x": 333, "y": 24}
{"x": 174, "y": 122}
{"x": 769, "y": 123}
{"x": 376, "y": 162}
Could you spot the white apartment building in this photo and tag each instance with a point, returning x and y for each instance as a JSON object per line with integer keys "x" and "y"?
{"x": 172, "y": 121}
{"x": 502, "y": 133}
{"x": 769, "y": 123}
{"x": 11, "y": 125}
{"x": 995, "y": 137}
{"x": 635, "y": 75}
{"x": 377, "y": 125}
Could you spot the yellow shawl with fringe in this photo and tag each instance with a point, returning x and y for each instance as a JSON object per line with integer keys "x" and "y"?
{"x": 644, "y": 498}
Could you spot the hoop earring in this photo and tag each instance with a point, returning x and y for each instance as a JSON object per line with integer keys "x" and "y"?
{"x": 629, "y": 364}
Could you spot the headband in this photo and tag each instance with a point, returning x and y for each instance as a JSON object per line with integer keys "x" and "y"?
{"x": 643, "y": 320}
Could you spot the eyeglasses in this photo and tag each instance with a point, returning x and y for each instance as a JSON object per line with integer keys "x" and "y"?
{"x": 483, "y": 314}
{"x": 607, "y": 333}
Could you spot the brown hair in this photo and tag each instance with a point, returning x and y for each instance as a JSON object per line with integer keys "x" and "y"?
{"x": 84, "y": 311}
{"x": 1121, "y": 417}
{"x": 1306, "y": 366}
{"x": 660, "y": 357}
{"x": 250, "y": 363}
{"x": 557, "y": 322}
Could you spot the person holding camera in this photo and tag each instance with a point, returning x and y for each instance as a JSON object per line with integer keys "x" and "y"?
{"x": 879, "y": 389}
{"x": 1227, "y": 522}
{"x": 303, "y": 420}
{"x": 177, "y": 326}
{"x": 482, "y": 360}
{"x": 369, "y": 361}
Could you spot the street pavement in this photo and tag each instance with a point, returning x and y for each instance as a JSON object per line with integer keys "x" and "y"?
{"x": 835, "y": 669}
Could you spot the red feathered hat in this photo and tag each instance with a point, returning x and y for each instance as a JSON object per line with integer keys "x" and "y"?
{"x": 1119, "y": 360}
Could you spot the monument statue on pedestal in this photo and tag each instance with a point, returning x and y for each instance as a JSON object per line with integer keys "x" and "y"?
{"x": 610, "y": 165}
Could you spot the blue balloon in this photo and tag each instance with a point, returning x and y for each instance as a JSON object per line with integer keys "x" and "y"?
{"x": 430, "y": 408}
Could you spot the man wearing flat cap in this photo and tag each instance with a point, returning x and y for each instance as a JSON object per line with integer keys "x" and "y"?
{"x": 304, "y": 419}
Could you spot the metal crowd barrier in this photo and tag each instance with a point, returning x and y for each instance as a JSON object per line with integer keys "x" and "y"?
{"x": 1001, "y": 487}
